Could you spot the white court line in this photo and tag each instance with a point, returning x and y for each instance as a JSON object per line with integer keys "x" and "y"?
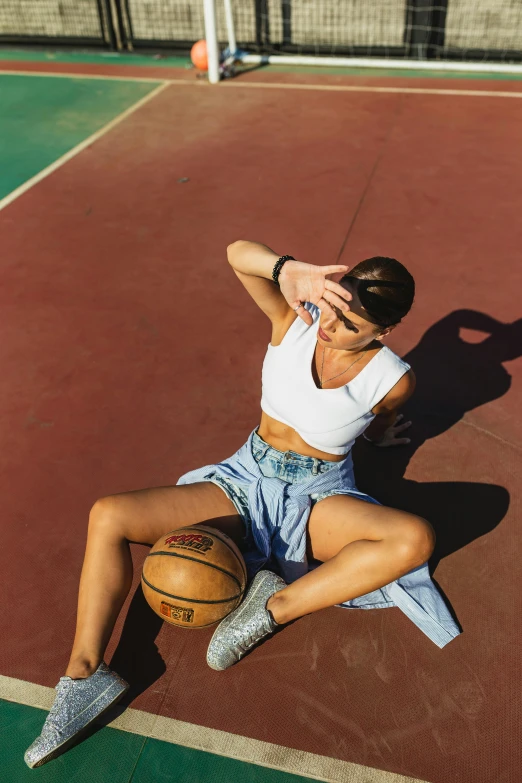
{"x": 79, "y": 147}
{"x": 233, "y": 85}
{"x": 234, "y": 746}
{"x": 238, "y": 84}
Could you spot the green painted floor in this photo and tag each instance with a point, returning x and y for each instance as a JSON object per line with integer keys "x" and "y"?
{"x": 93, "y": 57}
{"x": 119, "y": 757}
{"x": 43, "y": 117}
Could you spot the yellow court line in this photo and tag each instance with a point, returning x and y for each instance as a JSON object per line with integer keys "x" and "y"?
{"x": 229, "y": 85}
{"x": 79, "y": 147}
{"x": 222, "y": 743}
{"x": 357, "y": 88}
{"x": 354, "y": 88}
{"x": 238, "y": 84}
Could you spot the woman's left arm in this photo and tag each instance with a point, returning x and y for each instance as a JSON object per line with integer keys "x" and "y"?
{"x": 387, "y": 424}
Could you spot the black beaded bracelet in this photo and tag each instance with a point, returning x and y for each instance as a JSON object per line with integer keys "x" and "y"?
{"x": 278, "y": 266}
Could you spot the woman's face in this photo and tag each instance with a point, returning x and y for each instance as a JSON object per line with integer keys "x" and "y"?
{"x": 351, "y": 331}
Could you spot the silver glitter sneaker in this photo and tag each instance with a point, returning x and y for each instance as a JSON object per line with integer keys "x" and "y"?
{"x": 78, "y": 703}
{"x": 246, "y": 625}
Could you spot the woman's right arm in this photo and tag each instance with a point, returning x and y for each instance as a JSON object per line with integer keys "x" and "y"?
{"x": 253, "y": 263}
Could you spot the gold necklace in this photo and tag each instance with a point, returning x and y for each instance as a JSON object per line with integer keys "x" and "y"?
{"x": 338, "y": 374}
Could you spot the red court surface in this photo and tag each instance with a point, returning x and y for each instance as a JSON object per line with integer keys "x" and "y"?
{"x": 131, "y": 354}
{"x": 320, "y": 77}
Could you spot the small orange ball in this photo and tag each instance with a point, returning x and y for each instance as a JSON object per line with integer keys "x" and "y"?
{"x": 198, "y": 55}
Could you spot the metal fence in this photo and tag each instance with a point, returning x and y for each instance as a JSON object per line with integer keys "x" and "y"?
{"x": 73, "y": 22}
{"x": 489, "y": 30}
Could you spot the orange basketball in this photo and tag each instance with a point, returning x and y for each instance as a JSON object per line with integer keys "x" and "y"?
{"x": 198, "y": 55}
{"x": 194, "y": 576}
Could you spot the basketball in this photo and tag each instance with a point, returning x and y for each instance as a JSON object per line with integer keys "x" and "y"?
{"x": 198, "y": 55}
{"x": 194, "y": 576}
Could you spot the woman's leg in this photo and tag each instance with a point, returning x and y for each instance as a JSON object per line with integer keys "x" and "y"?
{"x": 139, "y": 517}
{"x": 363, "y": 546}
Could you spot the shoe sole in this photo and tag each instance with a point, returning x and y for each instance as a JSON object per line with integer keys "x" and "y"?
{"x": 63, "y": 746}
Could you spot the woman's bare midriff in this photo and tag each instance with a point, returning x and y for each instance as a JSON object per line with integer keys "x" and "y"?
{"x": 284, "y": 438}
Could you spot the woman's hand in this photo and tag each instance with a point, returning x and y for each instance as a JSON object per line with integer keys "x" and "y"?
{"x": 300, "y": 282}
{"x": 390, "y": 434}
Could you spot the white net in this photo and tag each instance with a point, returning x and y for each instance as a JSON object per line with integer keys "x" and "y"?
{"x": 165, "y": 20}
{"x": 276, "y": 25}
{"x": 420, "y": 29}
{"x": 494, "y": 26}
{"x": 315, "y": 25}
{"x": 460, "y": 29}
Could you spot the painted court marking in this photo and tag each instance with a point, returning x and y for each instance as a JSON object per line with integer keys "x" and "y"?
{"x": 164, "y": 83}
{"x": 238, "y": 84}
{"x": 78, "y": 148}
{"x": 357, "y": 88}
{"x": 189, "y": 735}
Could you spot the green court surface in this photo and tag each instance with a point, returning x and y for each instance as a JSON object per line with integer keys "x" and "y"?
{"x": 118, "y": 756}
{"x": 43, "y": 117}
{"x": 90, "y": 57}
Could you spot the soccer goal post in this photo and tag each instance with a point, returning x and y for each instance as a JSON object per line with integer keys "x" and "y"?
{"x": 461, "y": 35}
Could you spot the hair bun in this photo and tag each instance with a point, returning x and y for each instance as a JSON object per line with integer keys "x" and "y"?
{"x": 394, "y": 289}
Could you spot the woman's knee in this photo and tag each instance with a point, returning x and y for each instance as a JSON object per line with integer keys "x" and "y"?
{"x": 106, "y": 516}
{"x": 415, "y": 540}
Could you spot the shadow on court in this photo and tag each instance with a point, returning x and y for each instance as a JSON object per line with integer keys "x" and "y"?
{"x": 453, "y": 378}
{"x": 137, "y": 658}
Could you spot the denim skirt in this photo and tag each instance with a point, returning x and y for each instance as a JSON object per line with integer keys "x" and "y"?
{"x": 287, "y": 466}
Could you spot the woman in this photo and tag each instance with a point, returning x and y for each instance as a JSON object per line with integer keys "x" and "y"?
{"x": 288, "y": 496}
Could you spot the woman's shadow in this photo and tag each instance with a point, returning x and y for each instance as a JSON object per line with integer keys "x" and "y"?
{"x": 137, "y": 658}
{"x": 453, "y": 377}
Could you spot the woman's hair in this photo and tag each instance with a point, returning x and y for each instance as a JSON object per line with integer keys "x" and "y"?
{"x": 385, "y": 304}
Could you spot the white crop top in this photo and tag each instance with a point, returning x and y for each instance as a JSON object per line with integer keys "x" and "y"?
{"x": 327, "y": 419}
